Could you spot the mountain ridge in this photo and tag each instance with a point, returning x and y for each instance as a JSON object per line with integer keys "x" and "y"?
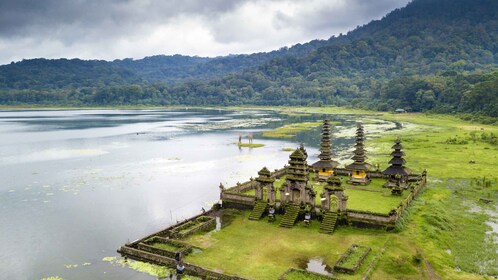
{"x": 427, "y": 56}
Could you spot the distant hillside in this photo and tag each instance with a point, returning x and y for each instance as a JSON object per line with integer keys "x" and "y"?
{"x": 434, "y": 42}
{"x": 429, "y": 55}
{"x": 76, "y": 73}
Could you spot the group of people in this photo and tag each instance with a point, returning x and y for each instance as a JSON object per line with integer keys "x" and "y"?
{"x": 249, "y": 137}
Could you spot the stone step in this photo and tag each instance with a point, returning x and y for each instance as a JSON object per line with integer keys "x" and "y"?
{"x": 329, "y": 222}
{"x": 290, "y": 216}
{"x": 258, "y": 210}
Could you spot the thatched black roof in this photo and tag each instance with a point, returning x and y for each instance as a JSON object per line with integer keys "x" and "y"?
{"x": 393, "y": 170}
{"x": 359, "y": 166}
{"x": 329, "y": 164}
{"x": 397, "y": 162}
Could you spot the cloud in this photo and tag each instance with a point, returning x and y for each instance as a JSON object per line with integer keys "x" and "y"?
{"x": 137, "y": 28}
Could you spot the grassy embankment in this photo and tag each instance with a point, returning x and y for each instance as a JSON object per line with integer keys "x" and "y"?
{"x": 444, "y": 232}
{"x": 250, "y": 145}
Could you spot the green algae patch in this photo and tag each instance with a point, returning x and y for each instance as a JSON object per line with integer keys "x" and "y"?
{"x": 294, "y": 114}
{"x": 151, "y": 269}
{"x": 52, "y": 278}
{"x": 250, "y": 145}
{"x": 71, "y": 265}
{"x": 290, "y": 130}
{"x": 288, "y": 149}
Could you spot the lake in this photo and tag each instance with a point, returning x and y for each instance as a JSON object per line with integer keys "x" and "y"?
{"x": 77, "y": 184}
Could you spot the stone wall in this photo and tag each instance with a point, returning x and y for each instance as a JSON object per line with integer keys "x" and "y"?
{"x": 167, "y": 231}
{"x": 190, "y": 269}
{"x": 248, "y": 199}
{"x": 279, "y": 173}
{"x": 251, "y": 184}
{"x": 371, "y": 174}
{"x": 371, "y": 218}
{"x": 176, "y": 232}
{"x": 338, "y": 267}
{"x": 387, "y": 220}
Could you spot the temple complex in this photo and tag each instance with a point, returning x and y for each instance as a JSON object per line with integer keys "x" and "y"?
{"x": 324, "y": 193}
{"x": 325, "y": 166}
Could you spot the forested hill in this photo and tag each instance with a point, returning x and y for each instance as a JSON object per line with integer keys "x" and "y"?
{"x": 76, "y": 73}
{"x": 434, "y": 55}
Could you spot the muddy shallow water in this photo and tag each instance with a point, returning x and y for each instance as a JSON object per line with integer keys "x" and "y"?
{"x": 78, "y": 184}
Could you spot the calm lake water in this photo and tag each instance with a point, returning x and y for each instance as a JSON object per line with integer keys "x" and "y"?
{"x": 78, "y": 184}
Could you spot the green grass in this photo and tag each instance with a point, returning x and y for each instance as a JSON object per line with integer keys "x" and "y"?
{"x": 291, "y": 114}
{"x": 267, "y": 250}
{"x": 250, "y": 145}
{"x": 443, "y": 232}
{"x": 373, "y": 201}
{"x": 166, "y": 246}
{"x": 355, "y": 255}
{"x": 290, "y": 130}
{"x": 187, "y": 226}
{"x": 303, "y": 275}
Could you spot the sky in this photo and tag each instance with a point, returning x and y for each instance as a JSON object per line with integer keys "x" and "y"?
{"x": 117, "y": 29}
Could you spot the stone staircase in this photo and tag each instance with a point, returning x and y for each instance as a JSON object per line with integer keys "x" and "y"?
{"x": 291, "y": 213}
{"x": 258, "y": 210}
{"x": 328, "y": 223}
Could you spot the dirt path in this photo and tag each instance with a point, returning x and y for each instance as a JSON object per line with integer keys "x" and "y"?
{"x": 431, "y": 273}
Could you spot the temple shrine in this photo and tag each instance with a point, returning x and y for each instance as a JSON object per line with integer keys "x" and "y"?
{"x": 325, "y": 166}
{"x": 359, "y": 167}
{"x": 397, "y": 173}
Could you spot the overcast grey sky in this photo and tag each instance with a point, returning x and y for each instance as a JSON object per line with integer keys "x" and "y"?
{"x": 110, "y": 29}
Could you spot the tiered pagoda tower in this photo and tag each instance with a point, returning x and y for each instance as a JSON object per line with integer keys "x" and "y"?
{"x": 397, "y": 172}
{"x": 325, "y": 166}
{"x": 296, "y": 188}
{"x": 359, "y": 167}
{"x": 303, "y": 150}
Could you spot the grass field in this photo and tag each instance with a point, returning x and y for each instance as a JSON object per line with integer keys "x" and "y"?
{"x": 446, "y": 232}
{"x": 262, "y": 250}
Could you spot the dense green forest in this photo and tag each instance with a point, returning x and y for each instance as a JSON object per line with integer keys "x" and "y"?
{"x": 432, "y": 55}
